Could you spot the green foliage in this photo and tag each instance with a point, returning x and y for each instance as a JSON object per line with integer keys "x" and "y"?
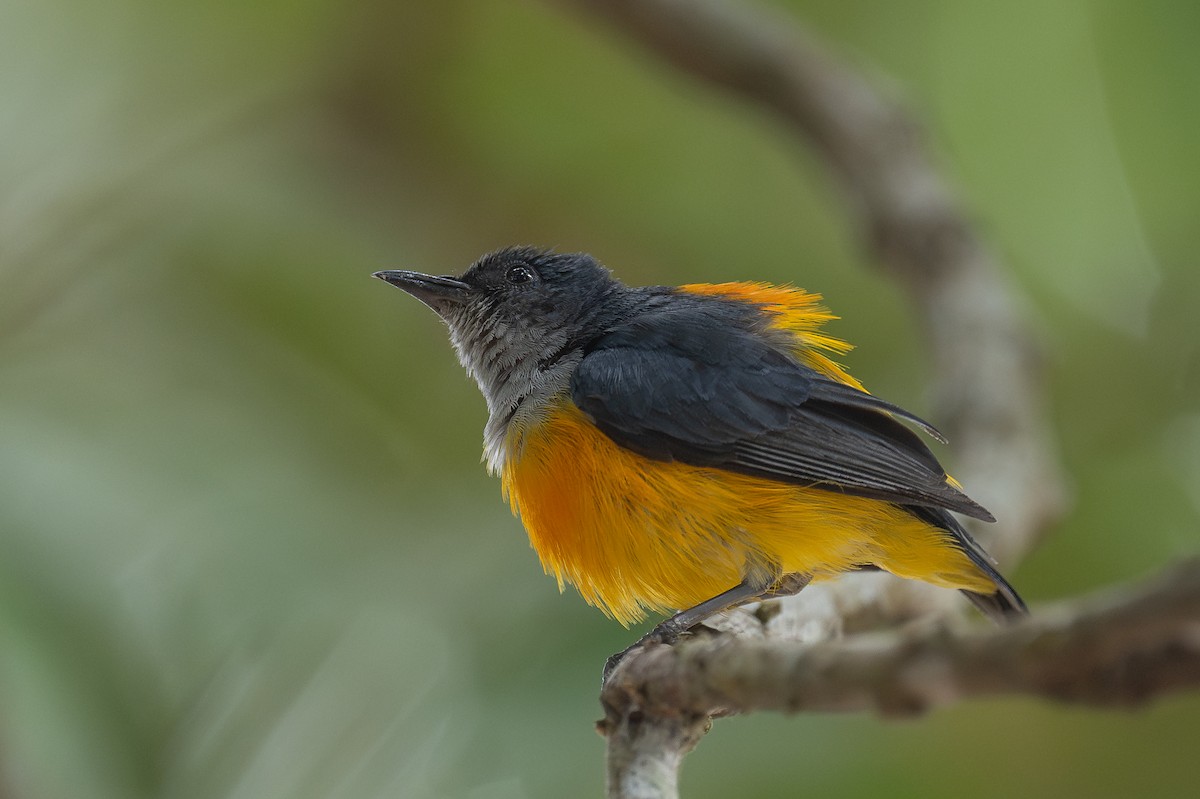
{"x": 246, "y": 549}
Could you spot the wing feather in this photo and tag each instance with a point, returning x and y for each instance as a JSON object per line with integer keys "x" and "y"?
{"x": 700, "y": 385}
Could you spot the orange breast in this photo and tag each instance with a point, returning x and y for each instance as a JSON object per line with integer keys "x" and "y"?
{"x": 636, "y": 535}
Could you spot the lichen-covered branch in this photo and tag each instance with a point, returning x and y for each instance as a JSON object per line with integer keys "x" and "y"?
{"x": 986, "y": 370}
{"x": 1118, "y": 649}
{"x": 644, "y": 753}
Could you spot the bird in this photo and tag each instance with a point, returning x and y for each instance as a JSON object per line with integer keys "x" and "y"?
{"x": 687, "y": 449}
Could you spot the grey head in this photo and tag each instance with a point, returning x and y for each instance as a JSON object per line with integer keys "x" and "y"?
{"x": 519, "y": 320}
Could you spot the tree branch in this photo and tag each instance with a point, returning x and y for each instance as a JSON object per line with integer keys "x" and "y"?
{"x": 987, "y": 380}
{"x": 1116, "y": 649}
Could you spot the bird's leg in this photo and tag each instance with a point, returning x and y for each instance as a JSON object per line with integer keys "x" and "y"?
{"x": 787, "y": 585}
{"x": 748, "y": 590}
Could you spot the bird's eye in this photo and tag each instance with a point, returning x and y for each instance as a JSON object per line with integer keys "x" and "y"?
{"x": 519, "y": 274}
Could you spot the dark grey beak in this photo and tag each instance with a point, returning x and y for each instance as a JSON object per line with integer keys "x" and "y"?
{"x": 439, "y": 293}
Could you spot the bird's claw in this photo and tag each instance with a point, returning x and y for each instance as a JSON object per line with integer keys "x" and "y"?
{"x": 662, "y": 634}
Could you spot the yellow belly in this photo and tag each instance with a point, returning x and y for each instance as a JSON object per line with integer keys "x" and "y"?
{"x": 636, "y": 535}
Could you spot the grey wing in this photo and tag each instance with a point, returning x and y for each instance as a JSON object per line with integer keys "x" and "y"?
{"x": 694, "y": 387}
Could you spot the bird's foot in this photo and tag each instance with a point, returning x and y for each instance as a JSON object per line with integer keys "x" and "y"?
{"x": 666, "y": 633}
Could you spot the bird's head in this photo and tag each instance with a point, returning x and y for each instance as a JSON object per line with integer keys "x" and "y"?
{"x": 516, "y": 314}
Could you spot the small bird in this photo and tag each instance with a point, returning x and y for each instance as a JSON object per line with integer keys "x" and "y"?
{"x": 689, "y": 449}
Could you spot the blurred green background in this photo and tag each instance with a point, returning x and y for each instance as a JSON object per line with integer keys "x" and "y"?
{"x": 246, "y": 546}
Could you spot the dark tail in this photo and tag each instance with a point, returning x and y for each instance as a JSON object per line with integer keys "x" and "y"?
{"x": 1002, "y": 606}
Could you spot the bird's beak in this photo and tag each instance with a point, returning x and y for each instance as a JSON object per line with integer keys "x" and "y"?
{"x": 439, "y": 293}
